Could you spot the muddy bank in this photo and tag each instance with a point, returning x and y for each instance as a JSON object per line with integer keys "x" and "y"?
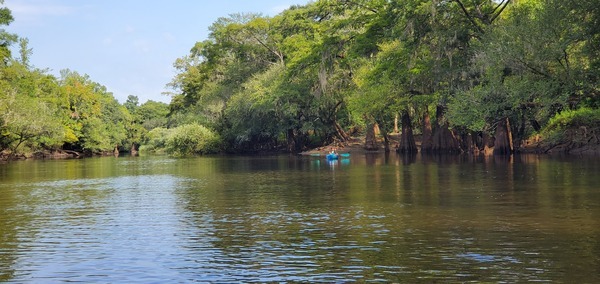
{"x": 356, "y": 145}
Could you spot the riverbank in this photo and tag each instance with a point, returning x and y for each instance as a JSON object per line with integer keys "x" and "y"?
{"x": 51, "y": 154}
{"x": 356, "y": 145}
{"x": 46, "y": 154}
{"x": 580, "y": 141}
{"x": 577, "y": 141}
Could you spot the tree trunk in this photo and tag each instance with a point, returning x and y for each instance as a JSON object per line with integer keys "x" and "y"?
{"x": 426, "y": 142}
{"x": 370, "y": 139}
{"x": 376, "y": 129}
{"x": 382, "y": 129}
{"x": 535, "y": 124}
{"x": 503, "y": 144}
{"x": 342, "y": 135}
{"x": 444, "y": 141}
{"x": 439, "y": 116}
{"x": 407, "y": 139}
{"x": 488, "y": 144}
{"x": 396, "y": 124}
{"x": 291, "y": 141}
{"x": 471, "y": 143}
{"x": 133, "y": 151}
{"x": 386, "y": 142}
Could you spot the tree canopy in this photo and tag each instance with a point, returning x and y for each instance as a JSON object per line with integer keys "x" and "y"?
{"x": 41, "y": 112}
{"x": 315, "y": 73}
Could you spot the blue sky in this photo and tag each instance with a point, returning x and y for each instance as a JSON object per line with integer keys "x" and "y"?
{"x": 129, "y": 46}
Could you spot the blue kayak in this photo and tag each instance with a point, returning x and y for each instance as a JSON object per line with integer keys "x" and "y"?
{"x": 332, "y": 156}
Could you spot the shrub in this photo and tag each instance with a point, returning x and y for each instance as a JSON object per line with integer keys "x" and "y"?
{"x": 555, "y": 130}
{"x": 192, "y": 139}
{"x": 156, "y": 140}
{"x": 575, "y": 118}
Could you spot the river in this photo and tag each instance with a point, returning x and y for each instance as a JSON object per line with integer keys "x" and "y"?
{"x": 370, "y": 218}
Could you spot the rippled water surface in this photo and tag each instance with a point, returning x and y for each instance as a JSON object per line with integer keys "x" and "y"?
{"x": 301, "y": 219}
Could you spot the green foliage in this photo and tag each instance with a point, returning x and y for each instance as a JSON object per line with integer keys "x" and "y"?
{"x": 155, "y": 141}
{"x": 97, "y": 119}
{"x": 532, "y": 64}
{"x": 28, "y": 109}
{"x": 152, "y": 114}
{"x": 471, "y": 118}
{"x": 573, "y": 119}
{"x": 192, "y": 139}
{"x": 39, "y": 111}
{"x": 301, "y": 77}
{"x": 253, "y": 114}
{"x": 6, "y": 39}
{"x": 132, "y": 103}
{"x": 26, "y": 121}
{"x": 561, "y": 127}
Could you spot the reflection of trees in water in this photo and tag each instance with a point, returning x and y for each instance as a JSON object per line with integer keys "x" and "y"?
{"x": 434, "y": 218}
{"x": 40, "y": 196}
{"x": 9, "y": 245}
{"x": 266, "y": 219}
{"x": 429, "y": 220}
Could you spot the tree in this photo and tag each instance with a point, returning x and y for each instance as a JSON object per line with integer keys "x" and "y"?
{"x": 152, "y": 114}
{"x": 533, "y": 64}
{"x": 304, "y": 76}
{"x": 30, "y": 110}
{"x": 255, "y": 115}
{"x": 6, "y": 39}
{"x": 382, "y": 93}
{"x": 132, "y": 103}
{"x": 238, "y": 47}
{"x": 96, "y": 119}
{"x": 25, "y": 120}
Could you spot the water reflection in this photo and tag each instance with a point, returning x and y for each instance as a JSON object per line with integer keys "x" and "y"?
{"x": 370, "y": 218}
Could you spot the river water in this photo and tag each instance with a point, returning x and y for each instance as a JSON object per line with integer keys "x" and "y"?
{"x": 371, "y": 218}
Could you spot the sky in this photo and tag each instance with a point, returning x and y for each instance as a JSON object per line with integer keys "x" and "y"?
{"x": 129, "y": 46}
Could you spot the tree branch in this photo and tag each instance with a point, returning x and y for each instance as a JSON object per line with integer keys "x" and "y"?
{"x": 498, "y": 6}
{"x": 534, "y": 70}
{"x": 502, "y": 6}
{"x": 469, "y": 16}
{"x": 266, "y": 46}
